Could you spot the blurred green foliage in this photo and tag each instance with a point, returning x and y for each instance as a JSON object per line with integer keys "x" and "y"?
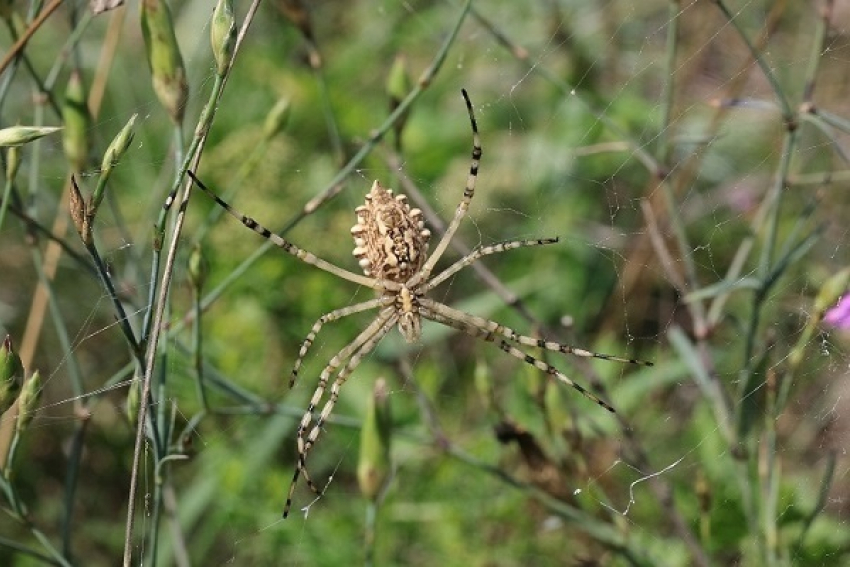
{"x": 696, "y": 230}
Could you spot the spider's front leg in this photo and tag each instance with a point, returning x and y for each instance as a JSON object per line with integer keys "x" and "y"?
{"x": 479, "y": 253}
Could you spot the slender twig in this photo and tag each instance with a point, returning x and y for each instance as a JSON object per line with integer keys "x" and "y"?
{"x": 27, "y": 35}
{"x": 42, "y": 230}
{"x": 193, "y": 155}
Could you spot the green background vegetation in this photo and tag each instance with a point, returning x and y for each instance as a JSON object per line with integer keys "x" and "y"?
{"x": 690, "y": 156}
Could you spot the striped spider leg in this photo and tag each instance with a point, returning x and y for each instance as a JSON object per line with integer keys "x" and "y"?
{"x": 391, "y": 245}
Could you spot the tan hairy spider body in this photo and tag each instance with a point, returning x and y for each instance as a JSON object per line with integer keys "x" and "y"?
{"x": 391, "y": 246}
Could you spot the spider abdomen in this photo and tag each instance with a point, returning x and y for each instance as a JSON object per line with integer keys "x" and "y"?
{"x": 390, "y": 238}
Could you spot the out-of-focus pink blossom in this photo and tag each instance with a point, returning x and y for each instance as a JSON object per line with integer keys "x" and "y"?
{"x": 839, "y": 316}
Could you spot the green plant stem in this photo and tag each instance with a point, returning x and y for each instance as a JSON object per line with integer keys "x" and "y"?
{"x": 72, "y": 474}
{"x": 193, "y": 154}
{"x": 121, "y": 315}
{"x": 75, "y": 379}
{"x": 369, "y": 527}
{"x": 165, "y": 426}
{"x": 4, "y": 204}
{"x": 38, "y": 229}
{"x": 22, "y": 41}
{"x": 10, "y": 75}
{"x": 197, "y": 349}
{"x": 664, "y": 150}
{"x": 787, "y": 113}
{"x": 695, "y": 308}
{"x": 330, "y": 117}
{"x": 19, "y": 512}
{"x": 24, "y": 550}
{"x": 818, "y": 48}
{"x": 771, "y": 477}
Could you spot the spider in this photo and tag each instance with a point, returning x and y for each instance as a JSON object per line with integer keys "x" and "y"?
{"x": 391, "y": 244}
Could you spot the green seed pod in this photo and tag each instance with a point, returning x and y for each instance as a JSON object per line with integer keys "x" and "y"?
{"x": 198, "y": 267}
{"x": 166, "y": 63}
{"x": 398, "y": 81}
{"x": 75, "y": 115}
{"x": 483, "y": 382}
{"x": 398, "y": 87}
{"x": 13, "y": 163}
{"x": 19, "y": 135}
{"x": 832, "y": 289}
{"x": 134, "y": 395}
{"x": 28, "y": 401}
{"x": 277, "y": 118}
{"x": 11, "y": 375}
{"x": 375, "y": 466}
{"x": 223, "y": 34}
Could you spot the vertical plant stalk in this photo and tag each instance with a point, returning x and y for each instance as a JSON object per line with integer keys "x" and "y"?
{"x": 193, "y": 156}
{"x": 197, "y": 276}
{"x": 777, "y": 394}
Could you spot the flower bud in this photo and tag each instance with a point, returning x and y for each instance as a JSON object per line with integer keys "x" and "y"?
{"x": 398, "y": 81}
{"x": 166, "y": 63}
{"x": 28, "y": 401}
{"x": 198, "y": 267}
{"x": 117, "y": 147}
{"x": 11, "y": 374}
{"x": 19, "y": 135}
{"x": 223, "y": 34}
{"x": 831, "y": 291}
{"x": 277, "y": 118}
{"x": 374, "y": 467}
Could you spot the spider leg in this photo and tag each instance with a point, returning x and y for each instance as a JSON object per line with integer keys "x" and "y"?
{"x": 489, "y": 326}
{"x": 341, "y": 378}
{"x": 378, "y": 327}
{"x": 328, "y": 318}
{"x": 290, "y": 248}
{"x": 480, "y": 252}
{"x": 469, "y": 327}
{"x": 463, "y": 207}
{"x": 343, "y": 375}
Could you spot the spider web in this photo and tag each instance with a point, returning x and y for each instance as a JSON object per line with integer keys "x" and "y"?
{"x": 688, "y": 237}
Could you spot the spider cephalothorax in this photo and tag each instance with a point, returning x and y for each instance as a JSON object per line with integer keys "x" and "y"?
{"x": 391, "y": 244}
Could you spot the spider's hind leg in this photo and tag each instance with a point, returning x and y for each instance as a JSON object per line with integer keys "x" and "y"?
{"x": 467, "y": 323}
{"x": 351, "y": 355}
